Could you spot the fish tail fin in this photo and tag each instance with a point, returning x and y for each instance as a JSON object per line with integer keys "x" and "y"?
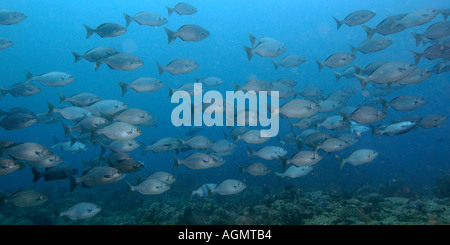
{"x": 249, "y": 52}
{"x": 73, "y": 140}
{"x": 143, "y": 148}
{"x": 362, "y": 80}
{"x": 36, "y": 175}
{"x": 77, "y": 57}
{"x": 171, "y": 91}
{"x": 320, "y": 64}
{"x": 338, "y": 22}
{"x": 62, "y": 98}
{"x": 123, "y": 86}
{"x": 357, "y": 69}
{"x": 354, "y": 50}
{"x": 418, "y": 38}
{"x": 160, "y": 68}
{"x": 237, "y": 139}
{"x": 369, "y": 31}
{"x": 29, "y": 76}
{"x": 67, "y": 129}
{"x": 97, "y": 65}
{"x": 51, "y": 108}
{"x": 73, "y": 182}
{"x": 128, "y": 20}
{"x": 3, "y": 92}
{"x": 417, "y": 56}
{"x": 250, "y": 152}
{"x": 444, "y": 13}
{"x": 252, "y": 39}
{"x": 340, "y": 160}
{"x": 176, "y": 162}
{"x": 89, "y": 31}
{"x": 130, "y": 187}
{"x": 170, "y": 35}
{"x": 291, "y": 125}
{"x": 338, "y": 75}
{"x": 275, "y": 64}
{"x": 283, "y": 161}
{"x": 235, "y": 86}
{"x": 384, "y": 104}
{"x": 169, "y": 10}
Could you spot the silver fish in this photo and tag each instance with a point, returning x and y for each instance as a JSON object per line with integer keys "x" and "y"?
{"x": 191, "y": 33}
{"x": 121, "y": 61}
{"x": 416, "y": 17}
{"x": 18, "y": 120}
{"x": 394, "y": 129}
{"x": 26, "y": 198}
{"x": 51, "y": 79}
{"x": 297, "y": 108}
{"x": 162, "y": 145}
{"x": 133, "y": 116}
{"x": 163, "y": 176}
{"x": 355, "y": 18}
{"x": 303, "y": 158}
{"x": 145, "y": 18}
{"x": 7, "y": 166}
{"x": 106, "y": 30}
{"x": 272, "y": 48}
{"x": 371, "y": 45}
{"x": 268, "y": 152}
{"x": 199, "y": 160}
{"x": 405, "y": 103}
{"x": 335, "y": 60}
{"x": 358, "y": 157}
{"x": 294, "y": 172}
{"x": 120, "y": 131}
{"x": 142, "y": 84}
{"x": 256, "y": 85}
{"x": 229, "y": 187}
{"x": 96, "y": 176}
{"x": 290, "y": 61}
{"x": 81, "y": 210}
{"x": 252, "y": 136}
{"x": 49, "y": 162}
{"x": 387, "y": 73}
{"x": 367, "y": 114}
{"x": 5, "y": 43}
{"x": 211, "y": 81}
{"x": 20, "y": 90}
{"x": 28, "y": 151}
{"x": 256, "y": 169}
{"x": 150, "y": 187}
{"x": 10, "y": 17}
{"x": 178, "y": 66}
{"x": 182, "y": 9}
{"x": 80, "y": 100}
{"x": 198, "y": 142}
{"x": 432, "y": 120}
{"x": 72, "y": 113}
{"x": 107, "y": 107}
{"x": 435, "y": 31}
{"x": 94, "y": 54}
{"x": 386, "y": 27}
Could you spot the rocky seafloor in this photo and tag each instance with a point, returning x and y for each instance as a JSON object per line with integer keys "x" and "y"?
{"x": 390, "y": 204}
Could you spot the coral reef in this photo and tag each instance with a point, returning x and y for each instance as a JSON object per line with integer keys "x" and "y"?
{"x": 389, "y": 205}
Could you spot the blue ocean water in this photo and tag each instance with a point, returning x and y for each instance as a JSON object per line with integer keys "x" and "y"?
{"x": 43, "y": 41}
